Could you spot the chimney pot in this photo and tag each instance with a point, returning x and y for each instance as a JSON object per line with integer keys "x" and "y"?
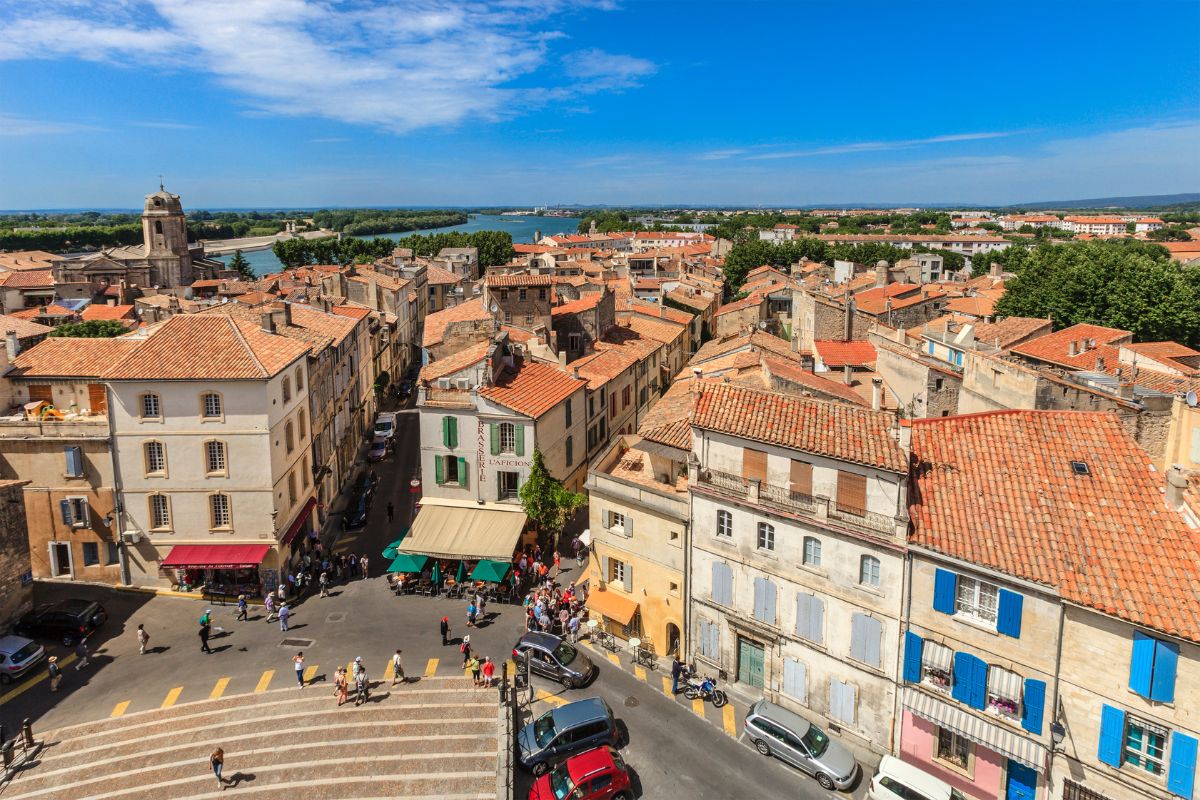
{"x": 12, "y": 345}
{"x": 1099, "y": 363}
{"x": 1176, "y": 484}
{"x": 268, "y": 322}
{"x": 876, "y": 393}
{"x": 848, "y": 374}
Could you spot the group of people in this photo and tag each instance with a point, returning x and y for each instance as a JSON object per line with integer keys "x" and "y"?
{"x": 557, "y": 609}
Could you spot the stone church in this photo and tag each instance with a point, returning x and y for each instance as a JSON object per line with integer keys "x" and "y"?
{"x": 163, "y": 261}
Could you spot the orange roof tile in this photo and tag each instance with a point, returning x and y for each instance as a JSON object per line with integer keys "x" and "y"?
{"x": 792, "y": 372}
{"x": 26, "y": 259}
{"x": 602, "y": 366}
{"x": 207, "y": 347}
{"x": 660, "y": 330}
{"x": 1055, "y": 348}
{"x": 658, "y": 311}
{"x": 24, "y": 328}
{"x": 585, "y": 303}
{"x": 836, "y": 353}
{"x": 753, "y": 301}
{"x": 98, "y": 311}
{"x": 1010, "y": 330}
{"x": 518, "y": 279}
{"x": 668, "y": 421}
{"x": 998, "y": 489}
{"x": 532, "y": 389}
{"x": 455, "y": 362}
{"x": 70, "y": 357}
{"x": 27, "y": 279}
{"x": 758, "y": 339}
{"x": 977, "y": 306}
{"x": 347, "y": 310}
{"x": 436, "y": 276}
{"x": 435, "y": 323}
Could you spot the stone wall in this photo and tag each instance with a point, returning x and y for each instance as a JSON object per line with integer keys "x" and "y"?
{"x": 459, "y": 335}
{"x": 16, "y": 590}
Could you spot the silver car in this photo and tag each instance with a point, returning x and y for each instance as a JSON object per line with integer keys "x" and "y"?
{"x": 18, "y": 655}
{"x": 789, "y": 737}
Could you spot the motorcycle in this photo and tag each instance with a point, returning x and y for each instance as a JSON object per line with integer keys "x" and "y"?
{"x": 705, "y": 688}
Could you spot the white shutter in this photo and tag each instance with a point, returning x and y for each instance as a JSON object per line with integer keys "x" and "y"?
{"x": 858, "y": 637}
{"x": 759, "y": 599}
{"x": 628, "y": 525}
{"x": 873, "y": 631}
{"x": 795, "y": 679}
{"x": 629, "y": 577}
{"x": 769, "y": 603}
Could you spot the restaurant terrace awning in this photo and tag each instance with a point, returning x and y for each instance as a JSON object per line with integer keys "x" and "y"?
{"x": 612, "y": 605}
{"x": 491, "y": 571}
{"x": 215, "y": 556}
{"x": 299, "y": 521}
{"x": 462, "y": 531}
{"x": 992, "y": 736}
{"x": 407, "y": 562}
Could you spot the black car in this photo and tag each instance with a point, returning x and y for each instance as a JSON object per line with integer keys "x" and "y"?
{"x": 554, "y": 658}
{"x": 68, "y": 621}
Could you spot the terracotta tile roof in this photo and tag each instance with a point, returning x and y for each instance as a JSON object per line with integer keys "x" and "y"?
{"x": 207, "y": 283}
{"x": 1010, "y": 330}
{"x": 977, "y": 306}
{"x": 767, "y": 269}
{"x": 351, "y": 311}
{"x": 753, "y": 301}
{"x": 27, "y": 279}
{"x": 792, "y": 372}
{"x": 836, "y": 353}
{"x": 383, "y": 281}
{"x": 758, "y": 339}
{"x": 630, "y": 339}
{"x": 658, "y": 311}
{"x": 55, "y": 310}
{"x": 699, "y": 302}
{"x": 998, "y": 489}
{"x": 26, "y": 259}
{"x": 601, "y": 367}
{"x": 518, "y": 279}
{"x": 435, "y": 323}
{"x": 455, "y": 362}
{"x": 517, "y": 334}
{"x": 69, "y": 357}
{"x": 27, "y": 313}
{"x": 532, "y": 248}
{"x": 668, "y": 421}
{"x": 24, "y": 328}
{"x": 660, "y": 330}
{"x": 1168, "y": 353}
{"x": 845, "y": 432}
{"x": 1163, "y": 382}
{"x": 533, "y": 389}
{"x": 100, "y": 311}
{"x": 207, "y": 346}
{"x": 877, "y": 301}
{"x": 337, "y": 325}
{"x": 436, "y": 276}
{"x": 939, "y": 324}
{"x": 255, "y": 298}
{"x": 1055, "y": 348}
{"x": 586, "y": 303}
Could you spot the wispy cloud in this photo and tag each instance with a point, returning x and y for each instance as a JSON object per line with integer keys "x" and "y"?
{"x": 12, "y": 125}
{"x": 872, "y": 147}
{"x": 721, "y": 155}
{"x": 169, "y": 126}
{"x": 397, "y": 65}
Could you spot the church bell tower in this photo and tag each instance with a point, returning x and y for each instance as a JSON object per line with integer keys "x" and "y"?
{"x": 164, "y": 233}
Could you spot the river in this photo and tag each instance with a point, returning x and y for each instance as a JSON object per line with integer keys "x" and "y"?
{"x": 522, "y": 229}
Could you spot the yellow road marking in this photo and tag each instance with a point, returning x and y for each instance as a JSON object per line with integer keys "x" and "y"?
{"x": 120, "y": 708}
{"x": 265, "y": 681}
{"x": 171, "y": 697}
{"x": 553, "y": 700}
{"x": 431, "y": 667}
{"x": 390, "y": 671}
{"x": 613, "y": 658}
{"x": 698, "y": 706}
{"x": 639, "y": 672}
{"x": 29, "y": 683}
{"x": 667, "y": 686}
{"x": 729, "y": 722}
{"x": 219, "y": 689}
{"x": 310, "y": 673}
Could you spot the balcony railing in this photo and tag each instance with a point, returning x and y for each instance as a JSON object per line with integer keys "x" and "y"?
{"x": 862, "y": 518}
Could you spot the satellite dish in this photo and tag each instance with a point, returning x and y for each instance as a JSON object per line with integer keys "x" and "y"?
{"x": 1191, "y": 399}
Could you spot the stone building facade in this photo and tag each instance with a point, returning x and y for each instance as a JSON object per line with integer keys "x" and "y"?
{"x": 16, "y": 574}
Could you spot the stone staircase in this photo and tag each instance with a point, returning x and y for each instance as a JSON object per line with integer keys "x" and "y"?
{"x": 440, "y": 737}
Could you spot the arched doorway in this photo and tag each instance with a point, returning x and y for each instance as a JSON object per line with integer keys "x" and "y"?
{"x": 672, "y": 639}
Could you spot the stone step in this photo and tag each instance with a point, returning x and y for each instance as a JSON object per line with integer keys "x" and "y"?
{"x": 443, "y": 786}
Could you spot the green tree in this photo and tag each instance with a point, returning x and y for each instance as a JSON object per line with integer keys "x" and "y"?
{"x": 92, "y": 329}
{"x": 547, "y": 502}
{"x": 239, "y": 264}
{"x": 1169, "y": 235}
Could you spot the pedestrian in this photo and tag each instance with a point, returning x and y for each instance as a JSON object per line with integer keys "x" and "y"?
{"x": 556, "y": 565}
{"x": 55, "y": 673}
{"x": 353, "y": 565}
{"x": 282, "y": 593}
{"x": 142, "y": 638}
{"x": 573, "y": 628}
{"x": 206, "y": 617}
{"x": 205, "y": 630}
{"x": 489, "y": 670}
{"x": 577, "y": 546}
{"x": 473, "y": 665}
{"x": 398, "y": 669}
{"x": 676, "y": 673}
{"x": 341, "y": 687}
{"x": 292, "y": 582}
{"x": 480, "y": 604}
{"x": 298, "y": 663}
{"x": 217, "y": 760}
{"x": 358, "y": 667}
{"x": 445, "y": 627}
{"x": 362, "y": 562}
{"x": 391, "y": 511}
{"x": 284, "y": 613}
{"x": 269, "y": 605}
{"x": 324, "y": 584}
{"x": 465, "y": 649}
{"x": 564, "y": 616}
{"x": 81, "y": 653}
{"x": 243, "y": 609}
{"x": 471, "y": 611}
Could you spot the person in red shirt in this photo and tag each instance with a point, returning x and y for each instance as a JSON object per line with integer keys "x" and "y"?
{"x": 489, "y": 670}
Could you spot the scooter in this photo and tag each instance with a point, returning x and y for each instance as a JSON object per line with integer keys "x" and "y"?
{"x": 705, "y": 688}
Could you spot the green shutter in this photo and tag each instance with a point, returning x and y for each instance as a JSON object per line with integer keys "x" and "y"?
{"x": 439, "y": 472}
{"x": 520, "y": 439}
{"x": 494, "y": 431}
{"x": 452, "y": 422}
{"x": 462, "y": 472}
{"x": 445, "y": 431}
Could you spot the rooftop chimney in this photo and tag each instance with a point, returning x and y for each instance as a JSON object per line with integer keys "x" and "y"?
{"x": 848, "y": 326}
{"x": 1073, "y": 348}
{"x": 881, "y": 273}
{"x": 1125, "y": 389}
{"x": 996, "y": 270}
{"x": 1099, "y": 363}
{"x": 876, "y": 393}
{"x": 13, "y": 346}
{"x": 848, "y": 375}
{"x": 1176, "y": 484}
{"x": 268, "y": 321}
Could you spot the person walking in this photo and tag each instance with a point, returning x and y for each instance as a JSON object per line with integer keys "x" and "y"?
{"x": 398, "y": 669}
{"x": 445, "y": 628}
{"x": 284, "y": 614}
{"x": 465, "y": 649}
{"x": 480, "y": 605}
{"x": 676, "y": 673}
{"x": 282, "y": 593}
{"x": 55, "y": 673}
{"x": 81, "y": 652}
{"x": 205, "y": 630}
{"x": 391, "y": 511}
{"x": 341, "y": 687}
{"x": 489, "y": 671}
{"x": 298, "y": 664}
{"x": 243, "y": 609}
{"x": 269, "y": 605}
{"x": 217, "y": 761}
{"x": 557, "y": 566}
{"x": 473, "y": 665}
{"x": 573, "y": 628}
{"x": 206, "y": 617}
{"x": 471, "y": 611}
{"x": 577, "y": 546}
{"x": 324, "y": 581}
{"x": 142, "y": 638}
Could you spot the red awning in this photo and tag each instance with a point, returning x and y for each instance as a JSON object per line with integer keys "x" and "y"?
{"x": 216, "y": 556}
{"x": 298, "y": 522}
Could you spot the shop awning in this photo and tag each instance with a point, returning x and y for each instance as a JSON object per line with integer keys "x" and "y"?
{"x": 407, "y": 562}
{"x": 612, "y": 605}
{"x": 215, "y": 556}
{"x": 393, "y": 549}
{"x": 298, "y": 523}
{"x": 490, "y": 571}
{"x": 992, "y": 736}
{"x": 464, "y": 531}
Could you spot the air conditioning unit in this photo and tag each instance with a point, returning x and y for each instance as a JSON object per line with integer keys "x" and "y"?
{"x": 463, "y": 384}
{"x": 131, "y": 537}
{"x": 443, "y": 383}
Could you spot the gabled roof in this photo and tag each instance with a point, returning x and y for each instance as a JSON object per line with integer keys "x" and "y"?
{"x": 753, "y": 301}
{"x": 70, "y": 357}
{"x": 660, "y": 330}
{"x": 27, "y": 279}
{"x": 436, "y": 276}
{"x": 585, "y": 303}
{"x": 1010, "y": 330}
{"x": 977, "y": 306}
{"x": 998, "y": 489}
{"x": 840, "y": 431}
{"x": 1055, "y": 348}
{"x": 532, "y": 389}
{"x": 602, "y": 366}
{"x": 435, "y": 323}
{"x": 668, "y": 420}
{"x": 518, "y": 279}
{"x": 24, "y": 328}
{"x": 456, "y": 362}
{"x": 758, "y": 339}
{"x": 837, "y": 353}
{"x": 1169, "y": 354}
{"x": 26, "y": 259}
{"x": 97, "y": 311}
{"x": 792, "y": 372}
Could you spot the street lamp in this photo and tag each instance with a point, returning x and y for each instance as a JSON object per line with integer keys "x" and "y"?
{"x": 1057, "y": 733}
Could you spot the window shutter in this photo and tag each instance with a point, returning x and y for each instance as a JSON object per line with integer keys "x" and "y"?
{"x": 970, "y": 680}
{"x": 714, "y": 640}
{"x": 628, "y": 525}
{"x": 851, "y": 492}
{"x": 445, "y": 431}
{"x": 520, "y": 437}
{"x": 64, "y": 507}
{"x": 97, "y": 398}
{"x": 1035, "y": 701}
{"x": 945, "y": 584}
{"x": 803, "y": 616}
{"x": 795, "y": 679}
{"x": 801, "y": 477}
{"x": 439, "y": 471}
{"x": 628, "y": 577}
{"x": 462, "y": 472}
{"x": 605, "y": 575}
{"x": 1141, "y": 664}
{"x": 873, "y": 632}
{"x": 1162, "y": 686}
{"x": 754, "y": 465}
{"x": 452, "y": 429}
{"x": 769, "y": 602}
{"x": 1181, "y": 772}
{"x": 1008, "y": 616}
{"x": 817, "y": 619}
{"x": 494, "y": 433}
{"x": 835, "y": 698}
{"x": 913, "y": 645}
{"x": 1112, "y": 731}
{"x": 759, "y": 597}
{"x": 979, "y": 685}
{"x": 74, "y": 461}
{"x": 86, "y": 515}
{"x": 858, "y": 637}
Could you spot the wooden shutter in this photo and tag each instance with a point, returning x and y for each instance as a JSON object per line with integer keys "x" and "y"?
{"x": 439, "y": 471}
{"x": 795, "y": 679}
{"x": 494, "y": 435}
{"x": 754, "y": 465}
{"x": 851, "y": 492}
{"x": 801, "y": 477}
{"x": 1112, "y": 734}
{"x": 97, "y": 398}
{"x": 519, "y": 430}
{"x": 628, "y": 577}
{"x": 40, "y": 391}
{"x": 913, "y": 645}
{"x": 462, "y": 472}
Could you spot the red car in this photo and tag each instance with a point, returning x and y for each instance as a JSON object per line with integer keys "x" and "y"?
{"x": 598, "y": 774}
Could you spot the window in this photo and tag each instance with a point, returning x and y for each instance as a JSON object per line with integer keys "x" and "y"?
{"x": 508, "y": 317}
{"x": 218, "y": 506}
{"x": 508, "y": 483}
{"x": 812, "y": 551}
{"x": 574, "y": 342}
{"x": 725, "y": 524}
{"x": 155, "y": 454}
{"x": 214, "y": 457}
{"x": 851, "y": 492}
{"x": 75, "y": 512}
{"x": 865, "y": 635}
{"x": 302, "y": 425}
{"x": 450, "y": 432}
{"x": 289, "y": 436}
{"x": 291, "y": 484}
{"x": 868, "y": 571}
{"x": 953, "y": 749}
{"x": 91, "y": 554}
{"x": 210, "y": 404}
{"x": 977, "y": 600}
{"x": 841, "y": 701}
{"x": 287, "y": 389}
{"x": 1152, "y": 668}
{"x": 160, "y": 511}
{"x": 567, "y": 411}
{"x": 299, "y": 379}
{"x": 801, "y": 478}
{"x": 504, "y": 294}
{"x": 616, "y": 571}
{"x": 1145, "y": 745}
{"x": 304, "y": 472}
{"x": 1004, "y": 692}
{"x": 151, "y": 407}
{"x": 616, "y": 521}
{"x": 74, "y": 459}
{"x": 570, "y": 451}
{"x": 541, "y": 294}
{"x": 935, "y": 666}
{"x": 810, "y": 617}
{"x": 508, "y": 437}
{"x": 766, "y": 536}
{"x": 626, "y": 396}
{"x": 522, "y": 294}
{"x": 722, "y": 583}
{"x": 112, "y": 553}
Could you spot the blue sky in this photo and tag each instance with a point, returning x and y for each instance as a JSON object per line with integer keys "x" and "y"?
{"x": 457, "y": 102}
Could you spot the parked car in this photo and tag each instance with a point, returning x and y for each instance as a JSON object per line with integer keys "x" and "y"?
{"x": 355, "y": 515}
{"x": 554, "y": 658}
{"x": 68, "y": 621}
{"x": 385, "y": 424}
{"x": 791, "y": 738}
{"x": 899, "y": 780}
{"x": 379, "y": 449}
{"x": 18, "y": 655}
{"x": 598, "y": 774}
{"x": 565, "y": 731}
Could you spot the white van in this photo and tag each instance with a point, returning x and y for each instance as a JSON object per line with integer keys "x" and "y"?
{"x": 899, "y": 780}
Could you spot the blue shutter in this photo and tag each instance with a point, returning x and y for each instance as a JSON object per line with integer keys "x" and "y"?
{"x": 1181, "y": 774}
{"x": 979, "y": 685}
{"x": 1162, "y": 685}
{"x": 964, "y": 665}
{"x": 74, "y": 461}
{"x": 1008, "y": 618}
{"x": 1035, "y": 702}
{"x": 1141, "y": 664}
{"x": 64, "y": 507}
{"x": 1112, "y": 731}
{"x": 913, "y": 645}
{"x": 945, "y": 583}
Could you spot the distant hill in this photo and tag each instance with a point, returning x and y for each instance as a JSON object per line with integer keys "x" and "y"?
{"x": 1138, "y": 201}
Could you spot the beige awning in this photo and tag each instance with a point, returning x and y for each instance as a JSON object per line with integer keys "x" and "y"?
{"x": 454, "y": 531}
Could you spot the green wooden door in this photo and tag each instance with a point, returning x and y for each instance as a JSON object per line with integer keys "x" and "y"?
{"x": 750, "y": 663}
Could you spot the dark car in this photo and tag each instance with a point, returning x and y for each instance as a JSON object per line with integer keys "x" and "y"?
{"x": 68, "y": 621}
{"x": 565, "y": 731}
{"x": 554, "y": 658}
{"x": 598, "y": 774}
{"x": 379, "y": 449}
{"x": 355, "y": 515}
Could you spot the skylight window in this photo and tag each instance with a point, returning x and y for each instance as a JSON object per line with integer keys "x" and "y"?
{"x": 1080, "y": 468}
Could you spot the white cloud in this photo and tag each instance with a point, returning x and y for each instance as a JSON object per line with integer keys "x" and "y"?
{"x": 13, "y": 125}
{"x": 397, "y": 65}
{"x": 873, "y": 147}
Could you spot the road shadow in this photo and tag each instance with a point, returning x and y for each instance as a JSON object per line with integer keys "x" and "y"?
{"x": 635, "y": 781}
{"x": 158, "y": 648}
{"x": 622, "y": 734}
{"x": 238, "y": 778}
{"x": 222, "y": 648}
